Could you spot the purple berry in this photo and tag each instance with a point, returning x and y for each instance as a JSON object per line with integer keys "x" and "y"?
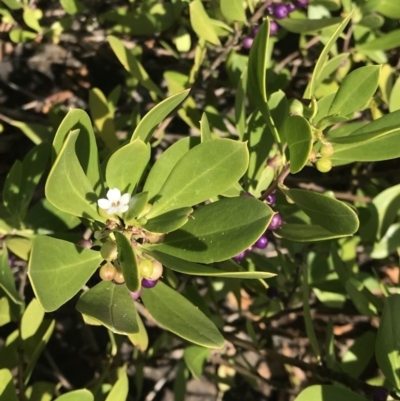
{"x": 276, "y": 222}
{"x": 247, "y": 195}
{"x": 271, "y": 199}
{"x": 136, "y": 295}
{"x": 247, "y": 42}
{"x": 281, "y": 11}
{"x": 291, "y": 7}
{"x": 250, "y": 249}
{"x": 273, "y": 28}
{"x": 255, "y": 30}
{"x": 239, "y": 256}
{"x": 149, "y": 283}
{"x": 270, "y": 9}
{"x": 11, "y": 261}
{"x": 301, "y": 3}
{"x": 262, "y": 242}
{"x": 380, "y": 394}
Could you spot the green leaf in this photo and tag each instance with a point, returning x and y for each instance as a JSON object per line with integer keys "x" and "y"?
{"x": 386, "y": 42}
{"x": 372, "y": 142}
{"x": 102, "y": 118}
{"x": 85, "y": 148}
{"x": 215, "y": 232}
{"x": 300, "y": 140}
{"x": 356, "y": 90}
{"x": 205, "y": 131}
{"x": 233, "y": 10}
{"x": 170, "y": 221}
{"x": 12, "y": 4}
{"x": 19, "y": 245}
{"x": 202, "y": 173}
{"x": 305, "y": 233}
{"x": 174, "y": 312}
{"x": 31, "y": 319}
{"x": 240, "y": 105}
{"x": 165, "y": 163}
{"x": 112, "y": 305}
{"x": 67, "y": 267}
{"x": 389, "y": 8}
{"x": 22, "y": 36}
{"x": 133, "y": 66}
{"x": 31, "y": 18}
{"x": 67, "y": 187}
{"x": 7, "y": 282}
{"x": 7, "y": 388}
{"x": 156, "y": 115}
{"x": 137, "y": 204}
{"x": 128, "y": 262}
{"x": 37, "y": 133}
{"x": 305, "y": 25}
{"x": 388, "y": 340}
{"x": 12, "y": 191}
{"x": 329, "y": 213}
{"x": 328, "y": 393}
{"x": 72, "y": 6}
{"x": 195, "y": 357}
{"x": 141, "y": 338}
{"x": 186, "y": 267}
{"x": 126, "y": 165}
{"x": 357, "y": 293}
{"x": 310, "y": 91}
{"x": 394, "y": 101}
{"x": 119, "y": 391}
{"x": 201, "y": 23}
{"x": 76, "y": 395}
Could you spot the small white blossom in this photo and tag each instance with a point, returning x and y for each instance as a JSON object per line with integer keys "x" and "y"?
{"x": 115, "y": 203}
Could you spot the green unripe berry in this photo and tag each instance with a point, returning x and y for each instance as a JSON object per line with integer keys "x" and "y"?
{"x": 323, "y": 165}
{"x": 107, "y": 272}
{"x": 119, "y": 278}
{"x": 296, "y": 108}
{"x": 326, "y": 150}
{"x": 157, "y": 270}
{"x": 109, "y": 251}
{"x": 145, "y": 268}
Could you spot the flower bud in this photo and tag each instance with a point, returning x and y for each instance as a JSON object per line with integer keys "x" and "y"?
{"x": 109, "y": 251}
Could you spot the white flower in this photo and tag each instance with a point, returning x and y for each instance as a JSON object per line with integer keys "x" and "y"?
{"x": 115, "y": 203}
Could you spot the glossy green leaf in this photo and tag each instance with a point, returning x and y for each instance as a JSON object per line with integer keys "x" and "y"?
{"x": 5, "y": 310}
{"x": 240, "y": 105}
{"x": 389, "y": 8}
{"x": 387, "y": 343}
{"x": 257, "y": 66}
{"x": 191, "y": 268}
{"x": 303, "y": 25}
{"x": 119, "y": 391}
{"x": 355, "y": 290}
{"x": 133, "y": 66}
{"x": 31, "y": 18}
{"x": 67, "y": 266}
{"x": 386, "y": 42}
{"x": 233, "y": 10}
{"x": 20, "y": 246}
{"x": 356, "y": 90}
{"x": 205, "y": 130}
{"x": 7, "y": 282}
{"x": 156, "y": 115}
{"x": 170, "y": 221}
{"x": 37, "y": 133}
{"x": 357, "y": 357}
{"x": 137, "y": 204}
{"x": 201, "y": 23}
{"x": 215, "y": 232}
{"x": 394, "y": 100}
{"x": 22, "y": 36}
{"x": 12, "y": 4}
{"x": 328, "y": 393}
{"x": 127, "y": 260}
{"x": 332, "y": 65}
{"x": 102, "y": 118}
{"x": 41, "y": 391}
{"x": 310, "y": 91}
{"x": 7, "y": 388}
{"x": 72, "y": 6}
{"x": 195, "y": 357}
{"x": 388, "y": 244}
{"x": 300, "y": 140}
{"x": 126, "y": 165}
{"x": 85, "y": 147}
{"x": 331, "y": 214}
{"x": 112, "y": 305}
{"x": 165, "y": 163}
{"x": 174, "y": 312}
{"x": 31, "y": 319}
{"x": 67, "y": 187}
{"x": 76, "y": 395}
{"x": 141, "y": 338}
{"x": 202, "y": 173}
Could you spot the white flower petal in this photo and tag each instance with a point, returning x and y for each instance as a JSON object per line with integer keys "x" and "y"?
{"x": 112, "y": 210}
{"x": 123, "y": 208}
{"x": 114, "y": 195}
{"x": 125, "y": 198}
{"x": 104, "y": 203}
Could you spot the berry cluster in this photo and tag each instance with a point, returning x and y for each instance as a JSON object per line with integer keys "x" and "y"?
{"x": 278, "y": 11}
{"x": 262, "y": 242}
